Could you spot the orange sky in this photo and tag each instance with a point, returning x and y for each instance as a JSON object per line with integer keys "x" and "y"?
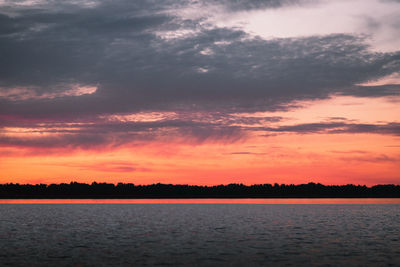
{"x": 200, "y": 92}
{"x": 283, "y": 157}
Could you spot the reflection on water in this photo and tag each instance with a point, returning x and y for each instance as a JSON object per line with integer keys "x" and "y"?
{"x": 209, "y": 201}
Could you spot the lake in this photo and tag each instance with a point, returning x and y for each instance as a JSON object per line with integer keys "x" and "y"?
{"x": 190, "y": 233}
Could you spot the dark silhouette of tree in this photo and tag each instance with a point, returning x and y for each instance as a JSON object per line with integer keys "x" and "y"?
{"x": 129, "y": 190}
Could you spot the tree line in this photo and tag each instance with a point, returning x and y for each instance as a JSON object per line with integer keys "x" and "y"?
{"x": 129, "y": 190}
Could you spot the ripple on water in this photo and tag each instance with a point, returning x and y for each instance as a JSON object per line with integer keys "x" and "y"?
{"x": 200, "y": 235}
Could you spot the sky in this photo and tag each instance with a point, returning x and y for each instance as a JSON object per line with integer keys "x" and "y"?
{"x": 200, "y": 92}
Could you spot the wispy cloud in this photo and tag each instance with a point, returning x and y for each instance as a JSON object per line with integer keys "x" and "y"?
{"x": 371, "y": 158}
{"x": 105, "y": 166}
{"x": 339, "y": 127}
{"x": 186, "y": 128}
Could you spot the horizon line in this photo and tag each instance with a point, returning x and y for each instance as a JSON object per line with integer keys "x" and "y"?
{"x": 179, "y": 184}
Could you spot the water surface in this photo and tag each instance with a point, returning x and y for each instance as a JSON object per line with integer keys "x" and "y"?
{"x": 199, "y": 235}
{"x": 208, "y": 201}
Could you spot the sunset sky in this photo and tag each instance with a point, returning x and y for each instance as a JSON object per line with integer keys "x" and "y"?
{"x": 200, "y": 91}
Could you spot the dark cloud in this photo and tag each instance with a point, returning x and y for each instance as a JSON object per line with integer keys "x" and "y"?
{"x": 103, "y": 132}
{"x": 239, "y": 5}
{"x": 120, "y": 47}
{"x": 373, "y": 91}
{"x": 115, "y": 46}
{"x": 242, "y": 76}
{"x": 339, "y": 127}
{"x": 61, "y": 141}
{"x": 248, "y": 5}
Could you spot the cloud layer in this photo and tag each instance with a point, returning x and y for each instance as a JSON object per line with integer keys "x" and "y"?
{"x": 80, "y": 61}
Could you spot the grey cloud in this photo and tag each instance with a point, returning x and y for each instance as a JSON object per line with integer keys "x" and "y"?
{"x": 101, "y": 133}
{"x": 339, "y": 127}
{"x": 245, "y": 75}
{"x": 83, "y": 140}
{"x": 240, "y": 5}
{"x": 59, "y": 141}
{"x": 114, "y": 45}
{"x": 373, "y": 91}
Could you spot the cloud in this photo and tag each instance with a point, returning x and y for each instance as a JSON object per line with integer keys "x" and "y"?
{"x": 105, "y": 132}
{"x": 105, "y": 166}
{"x": 371, "y": 158}
{"x": 115, "y": 131}
{"x": 377, "y": 20}
{"x": 16, "y": 94}
{"x": 114, "y": 46}
{"x": 364, "y": 156}
{"x": 272, "y": 73}
{"x": 349, "y": 151}
{"x": 392, "y": 79}
{"x": 339, "y": 127}
{"x": 373, "y": 91}
{"x": 245, "y": 153}
{"x": 70, "y": 67}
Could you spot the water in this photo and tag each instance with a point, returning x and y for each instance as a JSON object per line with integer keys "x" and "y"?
{"x": 208, "y": 201}
{"x": 199, "y": 235}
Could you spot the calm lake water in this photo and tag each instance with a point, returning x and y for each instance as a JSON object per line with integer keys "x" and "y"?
{"x": 208, "y": 201}
{"x": 200, "y": 234}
